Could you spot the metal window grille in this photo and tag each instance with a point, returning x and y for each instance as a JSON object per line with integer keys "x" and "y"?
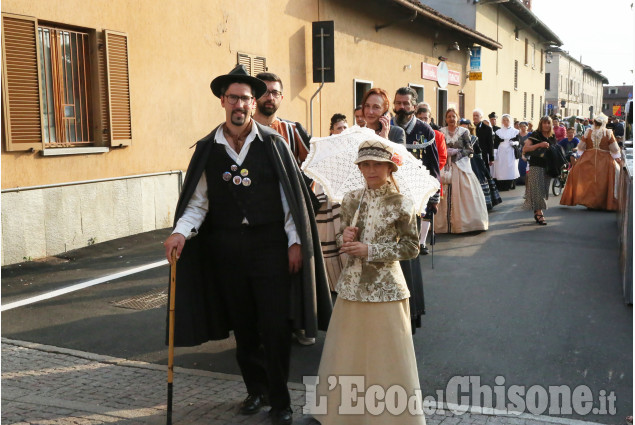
{"x": 525, "y": 105}
{"x": 516, "y": 75}
{"x": 65, "y": 87}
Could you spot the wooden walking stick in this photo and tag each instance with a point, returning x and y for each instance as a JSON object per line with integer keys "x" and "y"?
{"x": 171, "y": 335}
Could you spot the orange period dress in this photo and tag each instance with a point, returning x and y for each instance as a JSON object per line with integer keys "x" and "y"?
{"x": 591, "y": 181}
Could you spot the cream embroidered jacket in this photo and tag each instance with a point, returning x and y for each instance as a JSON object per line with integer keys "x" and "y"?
{"x": 387, "y": 224}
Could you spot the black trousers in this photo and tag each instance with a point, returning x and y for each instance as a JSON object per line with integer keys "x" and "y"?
{"x": 250, "y": 266}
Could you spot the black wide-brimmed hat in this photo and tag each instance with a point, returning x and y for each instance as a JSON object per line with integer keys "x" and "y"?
{"x": 238, "y": 75}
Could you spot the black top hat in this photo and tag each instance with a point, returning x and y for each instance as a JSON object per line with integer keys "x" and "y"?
{"x": 238, "y": 75}
{"x": 493, "y": 115}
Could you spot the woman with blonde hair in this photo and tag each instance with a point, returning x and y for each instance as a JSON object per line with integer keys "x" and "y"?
{"x": 537, "y": 180}
{"x": 462, "y": 208}
{"x": 591, "y": 181}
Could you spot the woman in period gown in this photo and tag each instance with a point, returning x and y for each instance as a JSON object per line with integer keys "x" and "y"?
{"x": 492, "y": 197}
{"x": 375, "y": 107}
{"x": 462, "y": 208}
{"x": 369, "y": 335}
{"x": 592, "y": 181}
{"x": 505, "y": 168}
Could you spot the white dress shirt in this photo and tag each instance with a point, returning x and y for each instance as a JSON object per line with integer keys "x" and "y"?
{"x": 197, "y": 207}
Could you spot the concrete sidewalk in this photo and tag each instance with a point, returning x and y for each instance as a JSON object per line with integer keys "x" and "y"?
{"x": 43, "y": 384}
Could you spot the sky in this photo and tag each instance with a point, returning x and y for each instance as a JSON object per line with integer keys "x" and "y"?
{"x": 599, "y": 31}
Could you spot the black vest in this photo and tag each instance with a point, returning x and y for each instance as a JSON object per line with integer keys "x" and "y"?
{"x": 259, "y": 201}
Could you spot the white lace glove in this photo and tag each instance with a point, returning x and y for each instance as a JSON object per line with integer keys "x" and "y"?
{"x": 514, "y": 143}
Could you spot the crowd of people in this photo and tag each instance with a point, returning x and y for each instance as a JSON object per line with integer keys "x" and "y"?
{"x": 264, "y": 253}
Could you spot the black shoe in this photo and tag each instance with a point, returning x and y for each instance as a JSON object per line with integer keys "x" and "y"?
{"x": 252, "y": 404}
{"x": 423, "y": 250}
{"x": 281, "y": 416}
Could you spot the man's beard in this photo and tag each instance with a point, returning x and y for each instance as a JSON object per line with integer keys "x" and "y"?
{"x": 238, "y": 121}
{"x": 267, "y": 109}
{"x": 402, "y": 116}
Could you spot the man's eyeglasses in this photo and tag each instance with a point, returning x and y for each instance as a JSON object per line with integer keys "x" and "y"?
{"x": 232, "y": 99}
{"x": 275, "y": 93}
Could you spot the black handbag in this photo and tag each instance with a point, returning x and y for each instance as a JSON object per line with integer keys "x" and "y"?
{"x": 518, "y": 151}
{"x": 555, "y": 159}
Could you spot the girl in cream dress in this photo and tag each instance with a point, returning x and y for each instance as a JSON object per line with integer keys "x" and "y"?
{"x": 369, "y": 339}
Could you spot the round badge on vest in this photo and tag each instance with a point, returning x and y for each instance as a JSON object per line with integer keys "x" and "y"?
{"x": 244, "y": 172}
{"x": 246, "y": 181}
{"x": 227, "y": 176}
{"x": 234, "y": 168}
{"x": 237, "y": 180}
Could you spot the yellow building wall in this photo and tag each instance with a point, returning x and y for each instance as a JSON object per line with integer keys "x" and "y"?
{"x": 176, "y": 48}
{"x": 498, "y": 66}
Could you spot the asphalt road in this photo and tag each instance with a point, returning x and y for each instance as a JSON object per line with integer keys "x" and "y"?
{"x": 536, "y": 305}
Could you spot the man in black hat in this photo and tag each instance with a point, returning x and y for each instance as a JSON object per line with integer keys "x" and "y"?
{"x": 246, "y": 214}
{"x": 492, "y": 119}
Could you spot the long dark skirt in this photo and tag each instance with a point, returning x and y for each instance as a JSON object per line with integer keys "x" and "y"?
{"x": 492, "y": 197}
{"x": 414, "y": 279}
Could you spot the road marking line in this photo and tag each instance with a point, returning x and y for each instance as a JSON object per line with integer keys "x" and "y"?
{"x": 78, "y": 286}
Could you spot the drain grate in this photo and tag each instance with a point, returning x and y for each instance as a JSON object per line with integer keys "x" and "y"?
{"x": 153, "y": 299}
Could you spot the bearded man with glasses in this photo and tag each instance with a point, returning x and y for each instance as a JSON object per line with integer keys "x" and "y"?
{"x": 266, "y": 108}
{"x": 252, "y": 262}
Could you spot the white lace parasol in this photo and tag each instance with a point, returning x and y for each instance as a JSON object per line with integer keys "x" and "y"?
{"x": 331, "y": 163}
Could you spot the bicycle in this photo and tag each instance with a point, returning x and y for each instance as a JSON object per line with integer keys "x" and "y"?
{"x": 557, "y": 184}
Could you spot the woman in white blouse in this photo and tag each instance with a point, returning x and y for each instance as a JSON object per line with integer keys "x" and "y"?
{"x": 462, "y": 207}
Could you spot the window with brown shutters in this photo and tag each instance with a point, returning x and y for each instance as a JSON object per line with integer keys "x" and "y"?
{"x": 118, "y": 88}
{"x": 22, "y": 122}
{"x": 63, "y": 87}
{"x": 259, "y": 65}
{"x": 253, "y": 64}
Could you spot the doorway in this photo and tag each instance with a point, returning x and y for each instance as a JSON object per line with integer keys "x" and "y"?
{"x": 506, "y": 102}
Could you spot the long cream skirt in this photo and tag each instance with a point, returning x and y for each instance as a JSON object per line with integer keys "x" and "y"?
{"x": 370, "y": 341}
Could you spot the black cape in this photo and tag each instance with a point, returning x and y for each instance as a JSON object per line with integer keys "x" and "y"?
{"x": 200, "y": 314}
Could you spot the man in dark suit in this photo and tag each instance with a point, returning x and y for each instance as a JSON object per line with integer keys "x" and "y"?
{"x": 244, "y": 229}
{"x": 485, "y": 136}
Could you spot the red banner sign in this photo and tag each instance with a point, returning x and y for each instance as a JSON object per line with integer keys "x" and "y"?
{"x": 430, "y": 72}
{"x": 454, "y": 77}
